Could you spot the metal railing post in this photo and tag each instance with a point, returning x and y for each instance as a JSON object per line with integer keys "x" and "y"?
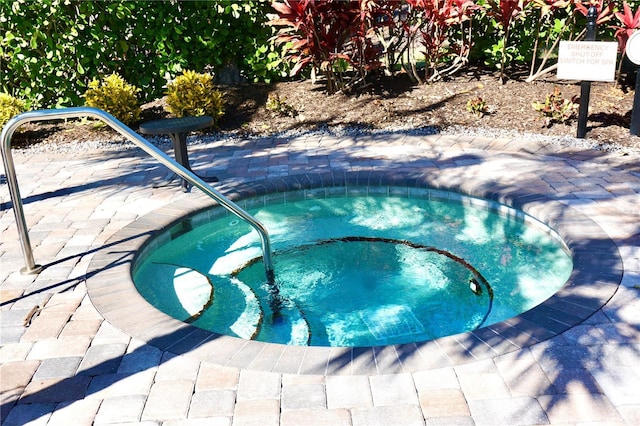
{"x": 30, "y": 266}
{"x": 111, "y": 121}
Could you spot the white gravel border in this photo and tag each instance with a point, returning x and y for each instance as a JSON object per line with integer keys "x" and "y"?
{"x": 165, "y": 143}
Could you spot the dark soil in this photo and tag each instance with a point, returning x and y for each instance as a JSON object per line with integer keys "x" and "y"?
{"x": 394, "y": 103}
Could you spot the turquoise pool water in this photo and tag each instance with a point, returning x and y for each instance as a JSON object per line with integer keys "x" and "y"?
{"x": 354, "y": 267}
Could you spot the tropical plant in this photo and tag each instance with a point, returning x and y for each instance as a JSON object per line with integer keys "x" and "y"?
{"x": 440, "y": 17}
{"x": 194, "y": 94}
{"x": 437, "y": 32}
{"x": 400, "y": 36}
{"x": 114, "y": 95}
{"x": 279, "y": 105}
{"x": 477, "y": 106}
{"x": 9, "y": 106}
{"x": 506, "y": 13}
{"x": 629, "y": 22}
{"x": 556, "y": 109}
{"x": 329, "y": 37}
{"x": 604, "y": 10}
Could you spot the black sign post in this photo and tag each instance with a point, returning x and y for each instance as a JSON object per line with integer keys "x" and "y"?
{"x": 585, "y": 86}
{"x": 635, "y": 112}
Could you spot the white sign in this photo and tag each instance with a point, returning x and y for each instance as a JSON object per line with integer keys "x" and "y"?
{"x": 633, "y": 48}
{"x": 587, "y": 60}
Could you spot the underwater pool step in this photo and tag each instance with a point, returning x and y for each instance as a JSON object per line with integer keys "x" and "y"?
{"x": 187, "y": 292}
{"x": 189, "y": 295}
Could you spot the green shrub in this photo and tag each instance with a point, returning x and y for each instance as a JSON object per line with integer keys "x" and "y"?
{"x": 194, "y": 94}
{"x": 9, "y": 106}
{"x": 115, "y": 96}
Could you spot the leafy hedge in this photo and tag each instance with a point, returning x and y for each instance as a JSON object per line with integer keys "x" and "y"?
{"x": 51, "y": 49}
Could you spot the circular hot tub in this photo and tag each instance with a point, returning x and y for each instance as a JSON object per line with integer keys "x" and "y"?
{"x": 354, "y": 266}
{"x": 578, "y": 292}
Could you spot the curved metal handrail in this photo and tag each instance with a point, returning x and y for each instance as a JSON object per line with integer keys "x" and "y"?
{"x": 111, "y": 121}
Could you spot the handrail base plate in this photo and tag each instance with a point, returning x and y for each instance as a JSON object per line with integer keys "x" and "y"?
{"x": 31, "y": 271}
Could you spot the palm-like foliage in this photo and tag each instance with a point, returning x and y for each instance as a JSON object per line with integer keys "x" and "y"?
{"x": 629, "y": 21}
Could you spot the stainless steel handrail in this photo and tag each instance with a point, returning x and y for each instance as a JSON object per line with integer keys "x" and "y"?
{"x": 75, "y": 112}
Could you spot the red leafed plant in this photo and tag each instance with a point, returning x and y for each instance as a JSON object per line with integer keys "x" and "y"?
{"x": 629, "y": 21}
{"x": 329, "y": 36}
{"x": 439, "y": 29}
{"x": 547, "y": 6}
{"x": 439, "y": 16}
{"x": 605, "y": 11}
{"x": 506, "y": 12}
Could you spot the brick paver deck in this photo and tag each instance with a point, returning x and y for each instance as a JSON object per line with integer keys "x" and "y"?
{"x": 70, "y": 365}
